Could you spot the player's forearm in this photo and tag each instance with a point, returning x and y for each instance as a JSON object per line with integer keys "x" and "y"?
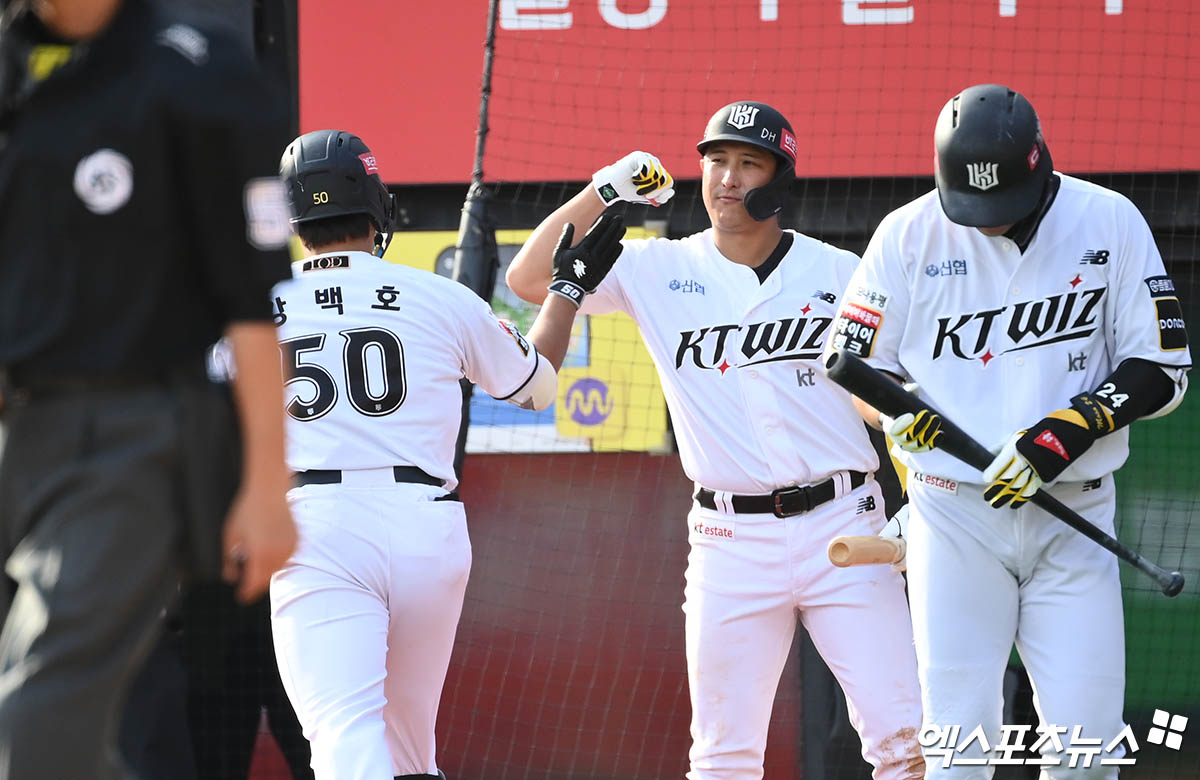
{"x": 869, "y": 413}
{"x": 529, "y": 273}
{"x": 258, "y": 393}
{"x": 551, "y": 331}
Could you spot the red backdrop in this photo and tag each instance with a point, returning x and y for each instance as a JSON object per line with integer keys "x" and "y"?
{"x": 569, "y": 659}
{"x": 1112, "y": 88}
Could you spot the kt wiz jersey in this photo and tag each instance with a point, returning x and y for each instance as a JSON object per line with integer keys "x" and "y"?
{"x": 998, "y": 338}
{"x": 372, "y": 356}
{"x": 739, "y": 361}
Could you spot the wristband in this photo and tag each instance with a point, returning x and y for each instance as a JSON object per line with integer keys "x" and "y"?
{"x": 569, "y": 290}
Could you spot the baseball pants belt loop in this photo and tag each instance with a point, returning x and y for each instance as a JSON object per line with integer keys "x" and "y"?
{"x": 784, "y": 502}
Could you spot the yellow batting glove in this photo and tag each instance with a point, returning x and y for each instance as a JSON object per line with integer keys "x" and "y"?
{"x": 912, "y": 432}
{"x": 1011, "y": 479}
{"x": 1039, "y": 454}
{"x": 638, "y": 177}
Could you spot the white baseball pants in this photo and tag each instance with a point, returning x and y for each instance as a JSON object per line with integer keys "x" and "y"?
{"x": 364, "y": 616}
{"x": 981, "y": 578}
{"x": 749, "y": 577}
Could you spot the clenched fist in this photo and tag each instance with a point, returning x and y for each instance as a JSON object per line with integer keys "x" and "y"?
{"x": 638, "y": 177}
{"x": 578, "y": 270}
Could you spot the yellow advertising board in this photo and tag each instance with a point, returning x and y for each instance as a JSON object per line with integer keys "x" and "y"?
{"x": 609, "y": 393}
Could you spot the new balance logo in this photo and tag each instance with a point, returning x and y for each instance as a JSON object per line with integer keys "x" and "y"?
{"x": 1094, "y": 257}
{"x": 983, "y": 176}
{"x": 866, "y": 505}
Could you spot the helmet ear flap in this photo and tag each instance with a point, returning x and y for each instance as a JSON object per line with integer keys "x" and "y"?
{"x": 386, "y": 218}
{"x": 766, "y": 201}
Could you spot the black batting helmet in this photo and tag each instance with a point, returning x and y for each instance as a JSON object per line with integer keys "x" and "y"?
{"x": 760, "y": 125}
{"x": 992, "y": 162}
{"x": 332, "y": 173}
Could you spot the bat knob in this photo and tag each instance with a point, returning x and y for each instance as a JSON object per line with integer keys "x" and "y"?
{"x": 1174, "y": 586}
{"x": 839, "y": 553}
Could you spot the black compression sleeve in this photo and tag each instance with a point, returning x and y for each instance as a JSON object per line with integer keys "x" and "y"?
{"x": 1137, "y": 388}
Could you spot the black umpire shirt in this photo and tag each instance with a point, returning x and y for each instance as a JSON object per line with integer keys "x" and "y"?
{"x": 140, "y": 206}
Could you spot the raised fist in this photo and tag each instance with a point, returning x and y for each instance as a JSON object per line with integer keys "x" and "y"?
{"x": 638, "y": 177}
{"x": 578, "y": 270}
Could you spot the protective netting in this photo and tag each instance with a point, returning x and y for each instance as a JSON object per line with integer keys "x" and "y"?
{"x": 569, "y": 659}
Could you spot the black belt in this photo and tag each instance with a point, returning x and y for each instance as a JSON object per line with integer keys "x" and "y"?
{"x": 400, "y": 473}
{"x": 783, "y": 502}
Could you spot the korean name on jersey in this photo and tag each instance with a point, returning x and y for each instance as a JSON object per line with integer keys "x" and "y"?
{"x": 373, "y": 354}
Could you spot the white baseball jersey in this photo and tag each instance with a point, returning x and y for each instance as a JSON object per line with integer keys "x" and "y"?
{"x": 373, "y": 353}
{"x": 740, "y": 361}
{"x": 998, "y": 338}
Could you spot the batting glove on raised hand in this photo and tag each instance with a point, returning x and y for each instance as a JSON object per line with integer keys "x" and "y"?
{"x": 1033, "y": 457}
{"x": 578, "y": 270}
{"x": 638, "y": 177}
{"x": 897, "y": 528}
{"x": 912, "y": 432}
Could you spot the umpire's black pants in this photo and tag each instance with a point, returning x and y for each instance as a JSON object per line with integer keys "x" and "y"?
{"x": 91, "y": 529}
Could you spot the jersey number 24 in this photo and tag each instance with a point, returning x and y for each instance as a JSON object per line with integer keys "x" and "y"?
{"x": 362, "y": 347}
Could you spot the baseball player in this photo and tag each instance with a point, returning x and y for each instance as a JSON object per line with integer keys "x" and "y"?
{"x": 364, "y": 613}
{"x": 1033, "y": 310}
{"x": 735, "y": 318}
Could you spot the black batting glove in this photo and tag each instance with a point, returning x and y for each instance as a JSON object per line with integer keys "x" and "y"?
{"x": 1041, "y": 453}
{"x": 578, "y": 270}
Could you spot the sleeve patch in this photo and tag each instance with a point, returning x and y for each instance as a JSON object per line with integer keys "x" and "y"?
{"x": 1172, "y": 335}
{"x": 856, "y": 328}
{"x": 870, "y": 296}
{"x": 1160, "y": 286}
{"x": 511, "y": 329}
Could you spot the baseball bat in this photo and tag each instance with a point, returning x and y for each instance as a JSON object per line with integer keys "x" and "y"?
{"x": 861, "y": 550}
{"x": 887, "y": 396}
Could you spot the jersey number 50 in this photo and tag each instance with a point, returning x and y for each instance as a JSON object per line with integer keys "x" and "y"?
{"x": 362, "y": 347}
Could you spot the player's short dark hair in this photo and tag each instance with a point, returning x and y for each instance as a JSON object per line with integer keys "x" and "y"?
{"x": 334, "y": 230}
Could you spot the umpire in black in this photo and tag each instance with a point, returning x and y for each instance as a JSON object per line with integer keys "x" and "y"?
{"x": 140, "y": 221}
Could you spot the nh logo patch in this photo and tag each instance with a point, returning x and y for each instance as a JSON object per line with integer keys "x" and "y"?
{"x": 982, "y": 176}
{"x": 743, "y": 116}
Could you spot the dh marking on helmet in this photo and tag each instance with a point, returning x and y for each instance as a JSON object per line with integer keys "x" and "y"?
{"x": 983, "y": 176}
{"x": 742, "y": 116}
